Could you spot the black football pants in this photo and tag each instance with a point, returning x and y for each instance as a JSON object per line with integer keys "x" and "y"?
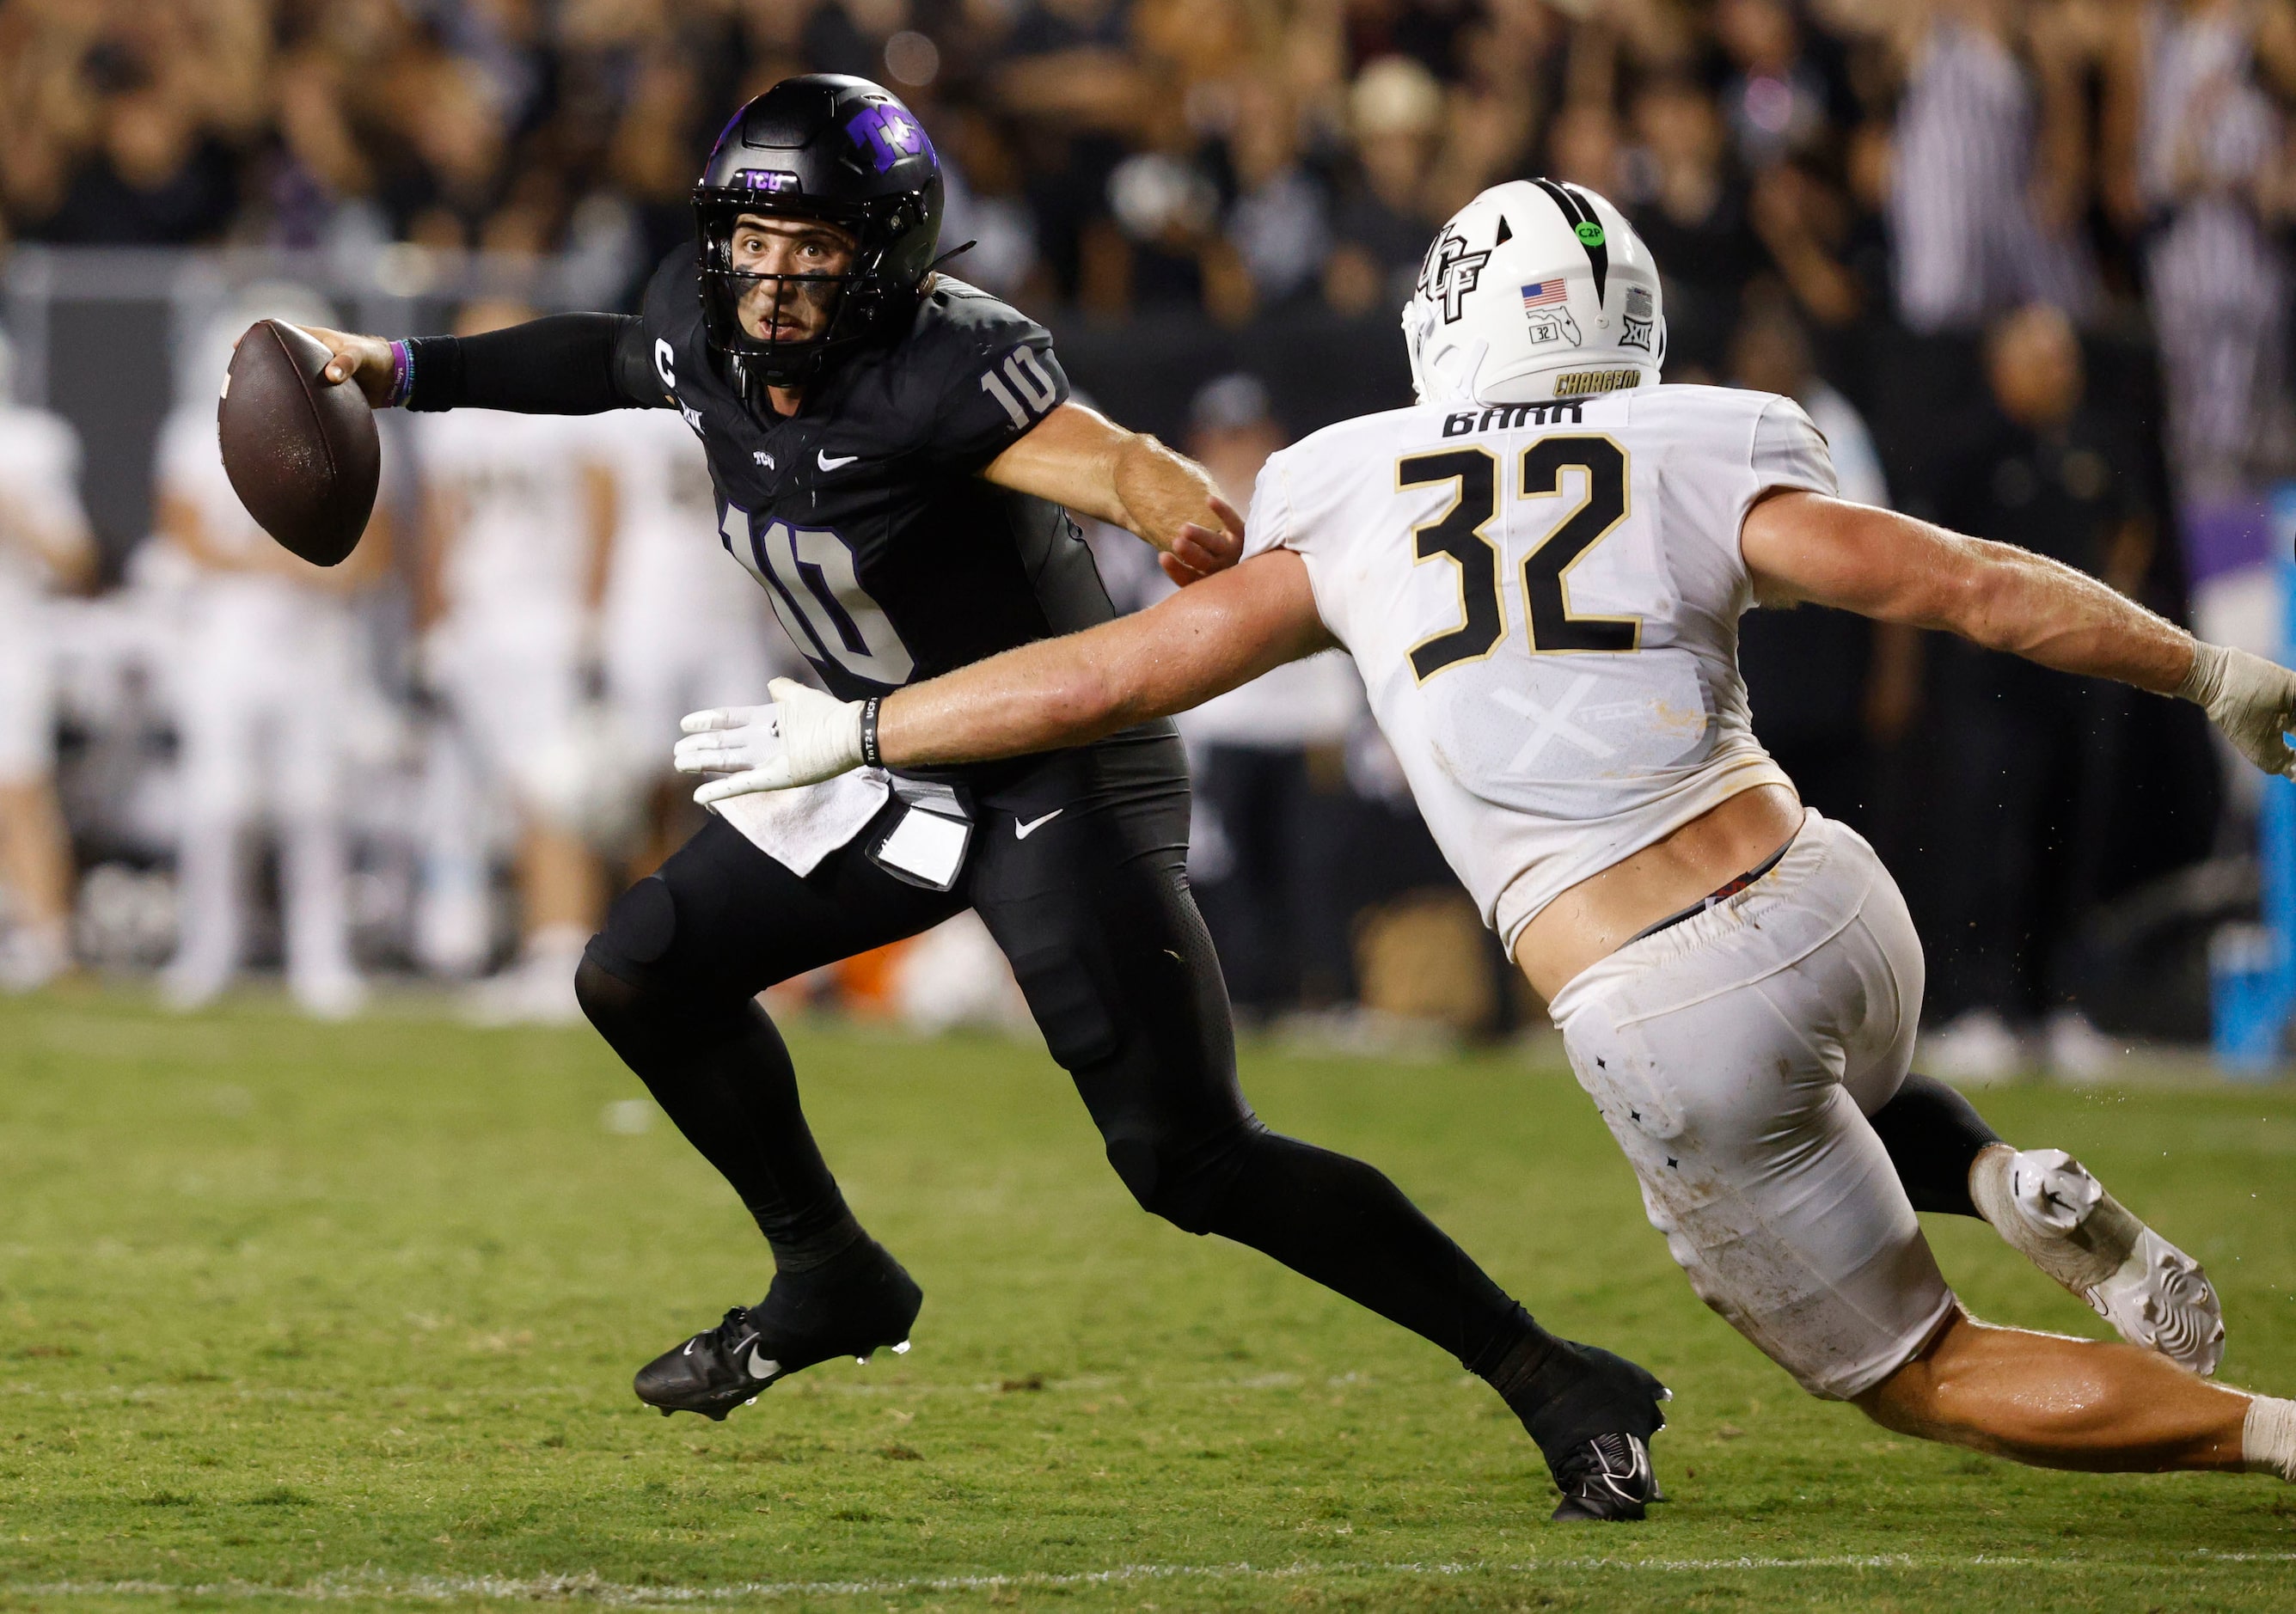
{"x": 1091, "y": 904}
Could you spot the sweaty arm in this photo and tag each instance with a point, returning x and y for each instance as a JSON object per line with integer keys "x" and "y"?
{"x": 1199, "y": 642}
{"x": 1079, "y": 458}
{"x": 562, "y": 364}
{"x": 1801, "y": 546}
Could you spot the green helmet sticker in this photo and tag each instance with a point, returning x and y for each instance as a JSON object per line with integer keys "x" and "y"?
{"x": 1590, "y": 233}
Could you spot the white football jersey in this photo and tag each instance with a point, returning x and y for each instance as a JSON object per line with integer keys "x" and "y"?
{"x": 668, "y": 560}
{"x": 522, "y": 549}
{"x": 188, "y": 465}
{"x": 40, "y": 486}
{"x": 1543, "y": 600}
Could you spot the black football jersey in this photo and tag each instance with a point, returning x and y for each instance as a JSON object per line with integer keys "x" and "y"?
{"x": 886, "y": 557}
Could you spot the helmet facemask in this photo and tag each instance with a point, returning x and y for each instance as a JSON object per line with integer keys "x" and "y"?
{"x": 848, "y": 301}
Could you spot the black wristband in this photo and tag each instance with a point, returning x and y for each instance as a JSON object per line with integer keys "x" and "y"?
{"x": 434, "y": 365}
{"x": 869, "y": 755}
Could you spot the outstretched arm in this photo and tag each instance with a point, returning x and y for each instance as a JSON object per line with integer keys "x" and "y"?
{"x": 562, "y": 364}
{"x": 1079, "y": 458}
{"x": 1802, "y": 546}
{"x": 1199, "y": 642}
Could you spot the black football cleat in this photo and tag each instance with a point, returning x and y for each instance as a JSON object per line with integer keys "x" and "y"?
{"x": 1608, "y": 1478}
{"x": 859, "y": 1303}
{"x": 1593, "y": 1414}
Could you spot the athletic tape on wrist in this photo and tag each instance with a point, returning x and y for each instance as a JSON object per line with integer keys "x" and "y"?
{"x": 869, "y": 755}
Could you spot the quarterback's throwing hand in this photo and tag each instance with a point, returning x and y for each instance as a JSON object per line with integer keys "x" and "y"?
{"x": 802, "y": 738}
{"x": 2251, "y": 700}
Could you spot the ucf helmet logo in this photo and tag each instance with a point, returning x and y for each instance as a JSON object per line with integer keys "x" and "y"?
{"x": 1450, "y": 272}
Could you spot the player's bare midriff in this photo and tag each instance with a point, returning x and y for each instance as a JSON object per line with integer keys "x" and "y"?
{"x": 1603, "y": 911}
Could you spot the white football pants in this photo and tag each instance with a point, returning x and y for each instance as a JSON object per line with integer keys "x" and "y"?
{"x": 1736, "y": 1056}
{"x": 264, "y": 695}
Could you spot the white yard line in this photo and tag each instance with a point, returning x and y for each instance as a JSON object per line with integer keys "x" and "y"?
{"x": 591, "y": 1589}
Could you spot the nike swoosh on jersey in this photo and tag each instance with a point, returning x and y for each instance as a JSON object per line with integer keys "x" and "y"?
{"x": 828, "y": 464}
{"x": 1021, "y": 831}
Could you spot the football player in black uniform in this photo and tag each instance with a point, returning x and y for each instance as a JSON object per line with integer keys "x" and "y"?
{"x": 892, "y": 451}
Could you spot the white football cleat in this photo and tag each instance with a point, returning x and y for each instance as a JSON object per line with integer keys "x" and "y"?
{"x": 2050, "y": 1210}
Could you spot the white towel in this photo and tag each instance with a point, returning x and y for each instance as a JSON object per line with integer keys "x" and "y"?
{"x": 801, "y": 827}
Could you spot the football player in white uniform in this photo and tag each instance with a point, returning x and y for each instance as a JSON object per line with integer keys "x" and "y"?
{"x": 681, "y": 625}
{"x": 1539, "y": 571}
{"x": 509, "y": 611}
{"x": 269, "y": 678}
{"x": 44, "y": 543}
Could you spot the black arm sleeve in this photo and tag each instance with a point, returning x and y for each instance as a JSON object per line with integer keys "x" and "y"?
{"x": 567, "y": 364}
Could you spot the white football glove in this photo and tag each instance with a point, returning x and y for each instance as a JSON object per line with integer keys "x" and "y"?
{"x": 2251, "y": 700}
{"x": 803, "y": 738}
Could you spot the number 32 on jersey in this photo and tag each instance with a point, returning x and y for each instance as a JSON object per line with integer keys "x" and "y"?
{"x": 1458, "y": 537}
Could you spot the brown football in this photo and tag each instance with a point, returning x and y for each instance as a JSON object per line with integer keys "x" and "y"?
{"x": 302, "y": 456}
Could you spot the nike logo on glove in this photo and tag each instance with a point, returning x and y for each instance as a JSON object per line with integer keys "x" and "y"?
{"x": 827, "y": 463}
{"x": 1021, "y": 831}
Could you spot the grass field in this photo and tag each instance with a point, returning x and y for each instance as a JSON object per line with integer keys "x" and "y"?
{"x": 291, "y": 1312}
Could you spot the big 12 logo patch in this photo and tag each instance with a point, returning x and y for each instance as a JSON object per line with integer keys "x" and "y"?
{"x": 1638, "y": 320}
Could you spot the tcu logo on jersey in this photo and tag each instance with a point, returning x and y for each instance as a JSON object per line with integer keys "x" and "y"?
{"x": 1450, "y": 272}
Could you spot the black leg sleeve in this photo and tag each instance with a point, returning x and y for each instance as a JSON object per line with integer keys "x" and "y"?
{"x": 1345, "y": 1225}
{"x": 1933, "y": 1135}
{"x": 1093, "y": 908}
{"x": 672, "y": 984}
{"x": 723, "y": 1075}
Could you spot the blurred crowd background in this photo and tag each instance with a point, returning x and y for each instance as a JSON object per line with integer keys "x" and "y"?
{"x": 2025, "y": 261}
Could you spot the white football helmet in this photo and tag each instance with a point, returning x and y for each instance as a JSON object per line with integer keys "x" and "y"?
{"x": 1533, "y": 290}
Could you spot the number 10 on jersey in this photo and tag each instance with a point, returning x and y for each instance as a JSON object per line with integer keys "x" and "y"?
{"x": 1457, "y": 535}
{"x": 809, "y": 575}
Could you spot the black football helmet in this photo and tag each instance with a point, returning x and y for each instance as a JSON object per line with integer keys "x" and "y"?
{"x": 829, "y": 147}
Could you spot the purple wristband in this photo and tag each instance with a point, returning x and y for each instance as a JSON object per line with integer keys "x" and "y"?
{"x": 402, "y": 373}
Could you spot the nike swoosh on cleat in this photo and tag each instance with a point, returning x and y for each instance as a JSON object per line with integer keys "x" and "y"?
{"x": 1021, "y": 831}
{"x": 759, "y": 1366}
{"x": 832, "y": 463}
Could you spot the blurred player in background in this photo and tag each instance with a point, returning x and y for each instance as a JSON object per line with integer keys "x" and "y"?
{"x": 518, "y": 518}
{"x": 267, "y": 682}
{"x": 681, "y": 628}
{"x": 45, "y": 543}
{"x": 1825, "y": 685}
{"x": 2023, "y": 792}
{"x": 1268, "y": 761}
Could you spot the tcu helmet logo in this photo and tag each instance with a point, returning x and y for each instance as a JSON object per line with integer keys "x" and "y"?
{"x": 888, "y": 133}
{"x": 1450, "y": 272}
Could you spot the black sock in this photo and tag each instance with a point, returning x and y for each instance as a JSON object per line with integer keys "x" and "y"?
{"x": 1933, "y": 1135}
{"x": 722, "y": 1075}
{"x": 1567, "y": 1393}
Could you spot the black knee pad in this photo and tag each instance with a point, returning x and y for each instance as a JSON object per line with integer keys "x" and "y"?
{"x": 1186, "y": 1186}
{"x": 640, "y": 928}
